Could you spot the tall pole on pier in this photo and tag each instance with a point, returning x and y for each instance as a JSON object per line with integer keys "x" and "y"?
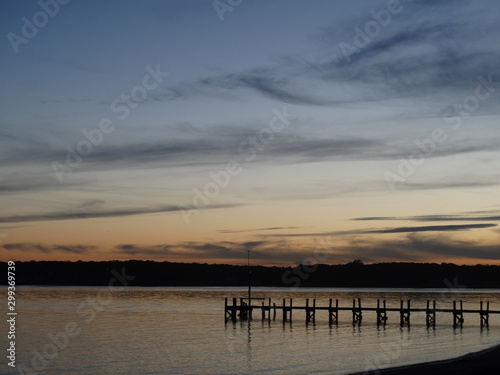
{"x": 249, "y": 281}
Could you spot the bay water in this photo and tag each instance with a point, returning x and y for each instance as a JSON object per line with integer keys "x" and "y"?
{"x": 162, "y": 330}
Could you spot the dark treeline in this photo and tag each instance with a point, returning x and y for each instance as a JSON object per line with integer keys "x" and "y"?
{"x": 354, "y": 274}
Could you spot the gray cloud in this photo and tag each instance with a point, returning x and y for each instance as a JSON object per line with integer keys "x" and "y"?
{"x": 494, "y": 215}
{"x": 87, "y": 214}
{"x": 34, "y": 247}
{"x": 267, "y": 82}
{"x": 480, "y": 181}
{"x": 430, "y": 228}
{"x": 418, "y": 53}
{"x": 257, "y": 229}
{"x": 153, "y": 251}
{"x": 419, "y": 247}
{"x": 192, "y": 146}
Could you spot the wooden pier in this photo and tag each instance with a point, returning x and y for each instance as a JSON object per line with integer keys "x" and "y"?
{"x": 242, "y": 309}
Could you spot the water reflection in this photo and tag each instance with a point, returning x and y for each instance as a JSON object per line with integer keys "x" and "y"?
{"x": 249, "y": 345}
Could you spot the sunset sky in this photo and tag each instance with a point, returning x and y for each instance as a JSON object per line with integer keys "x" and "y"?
{"x": 302, "y": 131}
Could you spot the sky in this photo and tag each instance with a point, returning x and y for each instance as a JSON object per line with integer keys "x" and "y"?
{"x": 301, "y": 131}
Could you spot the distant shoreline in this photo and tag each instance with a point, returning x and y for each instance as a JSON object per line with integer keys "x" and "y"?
{"x": 485, "y": 362}
{"x": 446, "y": 276}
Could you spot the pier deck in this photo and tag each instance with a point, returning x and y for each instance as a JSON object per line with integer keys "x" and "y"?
{"x": 244, "y": 311}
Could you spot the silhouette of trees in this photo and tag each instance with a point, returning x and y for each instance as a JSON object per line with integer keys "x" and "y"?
{"x": 353, "y": 274}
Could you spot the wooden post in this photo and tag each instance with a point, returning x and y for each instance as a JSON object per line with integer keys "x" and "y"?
{"x": 353, "y": 311}
{"x": 434, "y": 308}
{"x": 284, "y": 311}
{"x": 458, "y": 316}
{"x": 427, "y": 315}
{"x": 401, "y": 315}
{"x": 243, "y": 310}
{"x": 225, "y": 310}
{"x": 454, "y": 314}
{"x": 333, "y": 317}
{"x": 378, "y": 313}
{"x": 234, "y": 309}
{"x": 274, "y": 312}
{"x": 330, "y": 321}
{"x": 357, "y": 314}
{"x": 404, "y": 314}
{"x": 291, "y": 310}
{"x": 381, "y": 314}
{"x": 269, "y": 311}
{"x": 431, "y": 314}
{"x": 487, "y": 313}
{"x": 461, "y": 314}
{"x": 336, "y": 311}
{"x": 408, "y": 312}
{"x": 314, "y": 311}
{"x": 308, "y": 317}
{"x": 481, "y": 312}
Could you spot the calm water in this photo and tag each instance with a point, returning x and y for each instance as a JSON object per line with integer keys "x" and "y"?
{"x": 182, "y": 331}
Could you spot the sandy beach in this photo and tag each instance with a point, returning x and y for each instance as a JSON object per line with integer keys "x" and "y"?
{"x": 484, "y": 362}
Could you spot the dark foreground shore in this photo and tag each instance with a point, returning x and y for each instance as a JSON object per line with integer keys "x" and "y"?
{"x": 484, "y": 362}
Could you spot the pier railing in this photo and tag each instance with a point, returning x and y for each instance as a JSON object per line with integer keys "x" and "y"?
{"x": 243, "y": 309}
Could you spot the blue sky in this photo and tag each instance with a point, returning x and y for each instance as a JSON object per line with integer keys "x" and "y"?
{"x": 392, "y": 114}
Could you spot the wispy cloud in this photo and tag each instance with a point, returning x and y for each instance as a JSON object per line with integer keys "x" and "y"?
{"x": 192, "y": 148}
{"x": 34, "y": 247}
{"x": 156, "y": 251}
{"x": 416, "y": 54}
{"x": 87, "y": 214}
{"x": 492, "y": 215}
{"x": 257, "y": 229}
{"x": 267, "y": 82}
{"x": 429, "y": 228}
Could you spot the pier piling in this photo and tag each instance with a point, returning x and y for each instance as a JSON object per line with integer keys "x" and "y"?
{"x": 430, "y": 314}
{"x": 357, "y": 313}
{"x": 458, "y": 315}
{"x": 381, "y": 314}
{"x": 405, "y": 314}
{"x": 333, "y": 313}
{"x": 485, "y": 316}
{"x": 311, "y": 312}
